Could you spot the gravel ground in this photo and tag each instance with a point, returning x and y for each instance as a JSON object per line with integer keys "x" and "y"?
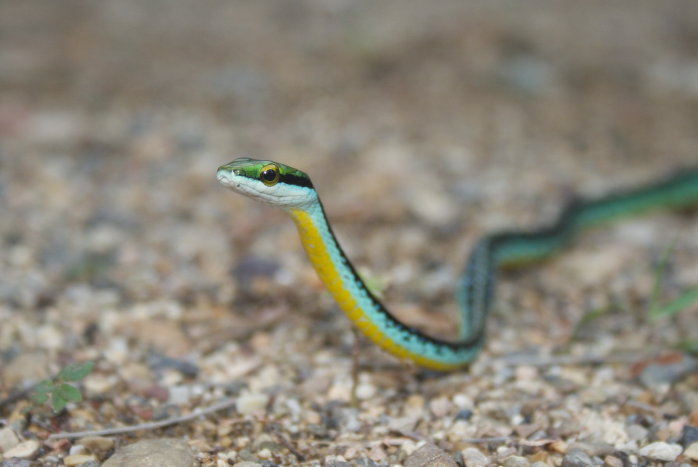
{"x": 423, "y": 126}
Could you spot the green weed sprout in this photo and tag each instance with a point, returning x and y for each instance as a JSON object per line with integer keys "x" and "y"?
{"x": 680, "y": 303}
{"x": 61, "y": 393}
{"x": 676, "y": 305}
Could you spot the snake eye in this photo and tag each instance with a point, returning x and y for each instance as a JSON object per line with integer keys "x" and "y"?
{"x": 270, "y": 175}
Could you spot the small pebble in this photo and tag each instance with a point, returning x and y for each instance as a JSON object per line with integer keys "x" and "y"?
{"x": 402, "y": 424}
{"x": 558, "y": 446}
{"x": 165, "y": 411}
{"x": 662, "y": 373}
{"x": 8, "y": 439}
{"x": 25, "y": 368}
{"x": 689, "y": 435}
{"x": 200, "y": 445}
{"x": 16, "y": 462}
{"x": 156, "y": 452}
{"x": 365, "y": 391}
{"x": 464, "y": 414}
{"x": 612, "y": 461}
{"x": 408, "y": 447}
{"x": 76, "y": 449}
{"x": 474, "y": 458}
{"x": 692, "y": 451}
{"x": 440, "y": 407}
{"x": 526, "y": 430}
{"x": 414, "y": 406}
{"x": 179, "y": 395}
{"x": 337, "y": 463}
{"x": 429, "y": 456}
{"x": 365, "y": 462}
{"x": 593, "y": 449}
{"x": 250, "y": 403}
{"x": 90, "y": 463}
{"x": 577, "y": 458}
{"x": 96, "y": 384}
{"x": 77, "y": 459}
{"x": 539, "y": 464}
{"x": 462, "y": 401}
{"x": 516, "y": 461}
{"x": 458, "y": 458}
{"x": 661, "y": 451}
{"x": 245, "y": 455}
{"x": 25, "y": 450}
{"x": 636, "y": 432}
{"x": 96, "y": 444}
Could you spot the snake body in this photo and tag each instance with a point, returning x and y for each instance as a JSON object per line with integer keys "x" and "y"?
{"x": 290, "y": 189}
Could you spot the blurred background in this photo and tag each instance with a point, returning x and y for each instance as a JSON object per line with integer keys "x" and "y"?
{"x": 422, "y": 124}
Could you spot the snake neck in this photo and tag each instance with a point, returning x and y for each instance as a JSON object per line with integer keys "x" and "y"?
{"x": 367, "y": 313}
{"x": 329, "y": 261}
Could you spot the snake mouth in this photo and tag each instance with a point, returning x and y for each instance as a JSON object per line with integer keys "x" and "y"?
{"x": 226, "y": 178}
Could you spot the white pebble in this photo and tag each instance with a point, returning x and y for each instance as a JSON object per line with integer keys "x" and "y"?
{"x": 76, "y": 449}
{"x": 408, "y": 447}
{"x": 23, "y": 450}
{"x": 692, "y": 451}
{"x": 662, "y": 451}
{"x": 462, "y": 401}
{"x": 249, "y": 403}
{"x": 8, "y": 439}
{"x": 179, "y": 395}
{"x": 365, "y": 391}
{"x": 474, "y": 458}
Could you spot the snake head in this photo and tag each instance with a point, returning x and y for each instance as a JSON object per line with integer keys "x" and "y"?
{"x": 275, "y": 184}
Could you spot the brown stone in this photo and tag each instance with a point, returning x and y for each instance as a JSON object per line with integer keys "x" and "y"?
{"x": 154, "y": 453}
{"x": 429, "y": 456}
{"x": 96, "y": 444}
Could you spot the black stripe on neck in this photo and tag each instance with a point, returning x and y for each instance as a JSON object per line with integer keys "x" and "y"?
{"x": 473, "y": 341}
{"x": 295, "y": 180}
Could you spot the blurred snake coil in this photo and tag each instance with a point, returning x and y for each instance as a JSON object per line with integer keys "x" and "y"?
{"x": 291, "y": 190}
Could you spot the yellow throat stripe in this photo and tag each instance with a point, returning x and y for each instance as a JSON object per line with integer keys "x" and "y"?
{"x": 324, "y": 266}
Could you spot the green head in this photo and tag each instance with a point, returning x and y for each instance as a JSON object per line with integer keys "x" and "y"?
{"x": 272, "y": 183}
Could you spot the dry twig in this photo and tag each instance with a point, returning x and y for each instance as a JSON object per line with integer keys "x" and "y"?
{"x": 287, "y": 443}
{"x": 149, "y": 426}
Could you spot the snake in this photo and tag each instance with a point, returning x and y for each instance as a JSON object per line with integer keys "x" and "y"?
{"x": 291, "y": 190}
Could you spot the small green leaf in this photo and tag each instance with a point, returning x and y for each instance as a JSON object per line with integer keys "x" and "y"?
{"x": 39, "y": 398}
{"x": 688, "y": 346}
{"x": 654, "y": 301}
{"x": 57, "y": 401}
{"x": 44, "y": 387}
{"x": 68, "y": 392}
{"x": 675, "y": 306}
{"x": 75, "y": 372}
{"x": 588, "y": 317}
{"x": 41, "y": 391}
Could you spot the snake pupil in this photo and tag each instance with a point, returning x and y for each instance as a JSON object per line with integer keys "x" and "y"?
{"x": 270, "y": 176}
